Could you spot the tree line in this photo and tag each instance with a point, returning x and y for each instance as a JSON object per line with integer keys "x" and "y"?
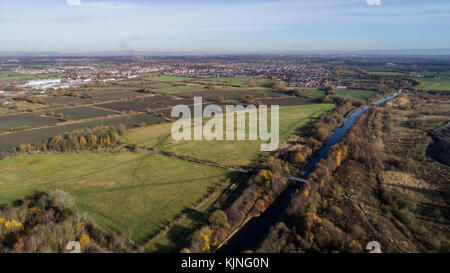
{"x": 101, "y": 137}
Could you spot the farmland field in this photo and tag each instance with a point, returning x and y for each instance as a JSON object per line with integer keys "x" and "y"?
{"x": 160, "y": 85}
{"x": 227, "y": 94}
{"x": 141, "y": 104}
{"x": 435, "y": 84}
{"x": 169, "y": 78}
{"x": 354, "y": 79}
{"x": 23, "y": 121}
{"x": 175, "y": 89}
{"x": 387, "y": 73}
{"x": 233, "y": 153}
{"x": 136, "y": 192}
{"x": 82, "y": 112}
{"x": 316, "y": 93}
{"x": 14, "y": 76}
{"x": 65, "y": 100}
{"x": 111, "y": 93}
{"x": 234, "y": 81}
{"x": 357, "y": 94}
{"x": 109, "y": 88}
{"x": 288, "y": 101}
{"x": 8, "y": 141}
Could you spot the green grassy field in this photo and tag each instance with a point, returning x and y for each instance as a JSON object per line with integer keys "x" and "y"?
{"x": 435, "y": 84}
{"x": 354, "y": 79}
{"x": 357, "y": 94}
{"x": 387, "y": 73}
{"x": 169, "y": 78}
{"x": 234, "y": 80}
{"x": 233, "y": 153}
{"x": 160, "y": 85}
{"x": 316, "y": 93}
{"x": 180, "y": 234}
{"x": 126, "y": 192}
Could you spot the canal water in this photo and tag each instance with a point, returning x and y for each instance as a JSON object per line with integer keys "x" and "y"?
{"x": 251, "y": 235}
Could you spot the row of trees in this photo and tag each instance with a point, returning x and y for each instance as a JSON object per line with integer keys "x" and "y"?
{"x": 101, "y": 137}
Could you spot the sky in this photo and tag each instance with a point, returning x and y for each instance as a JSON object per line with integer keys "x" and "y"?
{"x": 228, "y": 26}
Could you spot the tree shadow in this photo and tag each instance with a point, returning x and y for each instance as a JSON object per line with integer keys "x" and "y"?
{"x": 195, "y": 215}
{"x": 178, "y": 236}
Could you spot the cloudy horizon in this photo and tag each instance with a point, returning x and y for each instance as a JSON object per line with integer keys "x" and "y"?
{"x": 223, "y": 26}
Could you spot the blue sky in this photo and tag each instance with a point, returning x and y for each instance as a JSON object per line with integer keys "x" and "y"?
{"x": 223, "y": 25}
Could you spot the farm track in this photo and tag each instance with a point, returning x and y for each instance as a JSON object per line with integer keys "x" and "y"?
{"x": 212, "y": 164}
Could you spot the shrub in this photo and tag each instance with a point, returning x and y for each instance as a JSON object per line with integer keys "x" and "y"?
{"x": 218, "y": 218}
{"x": 62, "y": 200}
{"x": 357, "y": 232}
{"x": 336, "y": 211}
{"x": 300, "y": 92}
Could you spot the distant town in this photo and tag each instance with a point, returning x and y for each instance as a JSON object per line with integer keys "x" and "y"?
{"x": 77, "y": 72}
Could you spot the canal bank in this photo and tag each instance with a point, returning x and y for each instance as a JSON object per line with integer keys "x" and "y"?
{"x": 254, "y": 230}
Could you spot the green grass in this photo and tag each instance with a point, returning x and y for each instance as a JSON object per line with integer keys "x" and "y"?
{"x": 435, "y": 84}
{"x": 354, "y": 79}
{"x": 4, "y": 109}
{"x": 233, "y": 153}
{"x": 316, "y": 93}
{"x": 159, "y": 85}
{"x": 232, "y": 80}
{"x": 133, "y": 82}
{"x": 169, "y": 78}
{"x": 357, "y": 94}
{"x": 180, "y": 234}
{"x": 387, "y": 73}
{"x": 137, "y": 192}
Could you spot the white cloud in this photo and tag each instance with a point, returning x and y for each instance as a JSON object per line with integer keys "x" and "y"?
{"x": 101, "y": 5}
{"x": 374, "y": 2}
{"x": 74, "y": 2}
{"x": 109, "y": 5}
